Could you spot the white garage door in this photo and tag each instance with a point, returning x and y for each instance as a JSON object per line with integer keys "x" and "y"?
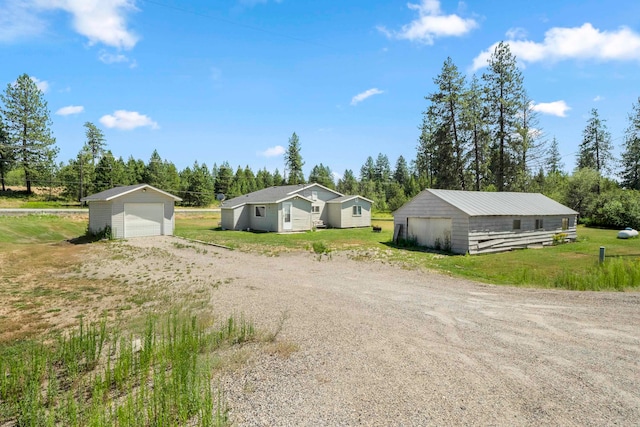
{"x": 431, "y": 232}
{"x": 143, "y": 219}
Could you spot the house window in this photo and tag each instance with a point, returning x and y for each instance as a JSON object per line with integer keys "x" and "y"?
{"x": 261, "y": 211}
{"x": 357, "y": 210}
{"x": 565, "y": 223}
{"x": 314, "y": 195}
{"x": 315, "y": 209}
{"x": 516, "y": 224}
{"x": 539, "y": 224}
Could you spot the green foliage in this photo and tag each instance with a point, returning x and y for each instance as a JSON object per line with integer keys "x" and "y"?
{"x": 99, "y": 377}
{"x": 616, "y": 209}
{"x": 595, "y": 148}
{"x": 29, "y": 137}
{"x": 631, "y": 155}
{"x": 322, "y": 175}
{"x": 614, "y": 274}
{"x": 293, "y": 161}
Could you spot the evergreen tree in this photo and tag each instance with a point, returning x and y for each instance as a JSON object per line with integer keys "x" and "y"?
{"x": 503, "y": 97}
{"x": 445, "y": 109}
{"x": 348, "y": 184}
{"x": 249, "y": 180}
{"x": 401, "y": 172}
{"x": 135, "y": 171}
{"x": 595, "y": 148}
{"x": 382, "y": 169}
{"x": 198, "y": 185}
{"x": 277, "y": 178}
{"x": 27, "y": 122}
{"x": 6, "y": 155}
{"x": 631, "y": 155}
{"x": 95, "y": 141}
{"x": 322, "y": 175}
{"x": 527, "y": 146}
{"x": 264, "y": 179}
{"x": 223, "y": 180}
{"x": 293, "y": 161}
{"x": 554, "y": 160}
{"x": 425, "y": 159}
{"x": 368, "y": 170}
{"x": 107, "y": 173}
{"x": 474, "y": 114}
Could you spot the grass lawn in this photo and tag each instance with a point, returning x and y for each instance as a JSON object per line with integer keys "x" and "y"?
{"x": 546, "y": 267}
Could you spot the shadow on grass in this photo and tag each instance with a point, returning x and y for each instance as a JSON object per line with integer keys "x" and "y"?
{"x": 84, "y": 239}
{"x": 413, "y": 248}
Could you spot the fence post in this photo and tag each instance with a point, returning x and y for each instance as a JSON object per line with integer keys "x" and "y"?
{"x": 601, "y": 259}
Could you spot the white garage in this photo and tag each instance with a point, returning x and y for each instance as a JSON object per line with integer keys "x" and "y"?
{"x": 132, "y": 211}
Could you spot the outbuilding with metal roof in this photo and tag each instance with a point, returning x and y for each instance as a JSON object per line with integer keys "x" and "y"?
{"x": 132, "y": 211}
{"x": 479, "y": 222}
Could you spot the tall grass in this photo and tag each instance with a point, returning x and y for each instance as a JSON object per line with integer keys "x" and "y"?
{"x": 98, "y": 377}
{"x": 614, "y": 274}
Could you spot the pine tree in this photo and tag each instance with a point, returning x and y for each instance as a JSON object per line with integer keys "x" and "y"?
{"x": 348, "y": 184}
{"x": 503, "y": 97}
{"x": 6, "y": 155}
{"x": 401, "y": 172}
{"x": 368, "y": 170}
{"x": 95, "y": 141}
{"x": 474, "y": 114}
{"x": 528, "y": 147}
{"x": 322, "y": 175}
{"x": 446, "y": 105}
{"x": 27, "y": 122}
{"x": 223, "y": 180}
{"x": 595, "y": 148}
{"x": 293, "y": 161}
{"x": 106, "y": 173}
{"x": 554, "y": 160}
{"x": 631, "y": 155}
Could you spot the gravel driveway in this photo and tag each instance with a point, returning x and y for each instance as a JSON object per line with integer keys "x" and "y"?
{"x": 380, "y": 345}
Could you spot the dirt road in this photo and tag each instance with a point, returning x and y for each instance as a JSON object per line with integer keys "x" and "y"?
{"x": 379, "y": 345}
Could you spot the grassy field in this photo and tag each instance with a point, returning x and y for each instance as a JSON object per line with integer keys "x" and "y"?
{"x": 570, "y": 266}
{"x": 80, "y": 350}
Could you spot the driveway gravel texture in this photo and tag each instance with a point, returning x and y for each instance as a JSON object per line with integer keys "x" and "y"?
{"x": 378, "y": 344}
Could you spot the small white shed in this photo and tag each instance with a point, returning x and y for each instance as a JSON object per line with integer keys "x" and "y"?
{"x": 132, "y": 211}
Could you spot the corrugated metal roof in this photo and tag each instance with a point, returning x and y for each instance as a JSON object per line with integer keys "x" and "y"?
{"x": 115, "y": 192}
{"x": 482, "y": 203}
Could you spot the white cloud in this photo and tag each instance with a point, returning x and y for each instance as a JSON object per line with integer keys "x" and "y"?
{"x": 556, "y": 108}
{"x": 364, "y": 95}
{"x": 69, "y": 110}
{"x": 110, "y": 58}
{"x": 17, "y": 20}
{"x": 583, "y": 43}
{"x": 516, "y": 33}
{"x": 101, "y": 21}
{"x": 336, "y": 176}
{"x": 43, "y": 85}
{"x": 598, "y": 98}
{"x": 127, "y": 120}
{"x": 430, "y": 24}
{"x": 278, "y": 150}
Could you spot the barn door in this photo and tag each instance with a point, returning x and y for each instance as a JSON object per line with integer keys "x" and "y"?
{"x": 431, "y": 232}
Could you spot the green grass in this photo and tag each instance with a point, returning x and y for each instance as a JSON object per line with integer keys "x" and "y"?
{"x": 100, "y": 377}
{"x": 26, "y": 229}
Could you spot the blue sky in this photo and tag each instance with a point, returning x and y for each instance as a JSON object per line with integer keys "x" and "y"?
{"x": 232, "y": 80}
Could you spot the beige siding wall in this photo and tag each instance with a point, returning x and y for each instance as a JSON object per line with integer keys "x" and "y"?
{"x": 117, "y": 210}
{"x": 344, "y": 213}
{"x": 235, "y": 219}
{"x": 425, "y": 205}
{"x": 99, "y": 216}
{"x": 300, "y": 214}
{"x": 323, "y": 196}
{"x": 267, "y": 223}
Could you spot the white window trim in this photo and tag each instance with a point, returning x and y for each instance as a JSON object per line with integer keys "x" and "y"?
{"x": 315, "y": 209}
{"x": 358, "y": 208}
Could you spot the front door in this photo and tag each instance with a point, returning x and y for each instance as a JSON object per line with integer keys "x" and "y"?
{"x": 286, "y": 216}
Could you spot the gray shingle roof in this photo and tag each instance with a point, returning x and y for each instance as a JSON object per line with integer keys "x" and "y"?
{"x": 116, "y": 192}
{"x": 481, "y": 203}
{"x": 266, "y": 195}
{"x": 342, "y": 199}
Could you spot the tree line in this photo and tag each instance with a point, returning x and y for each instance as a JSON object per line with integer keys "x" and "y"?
{"x": 478, "y": 133}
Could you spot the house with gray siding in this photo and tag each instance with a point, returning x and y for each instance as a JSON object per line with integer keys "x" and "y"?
{"x": 477, "y": 222}
{"x": 132, "y": 211}
{"x": 289, "y": 208}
